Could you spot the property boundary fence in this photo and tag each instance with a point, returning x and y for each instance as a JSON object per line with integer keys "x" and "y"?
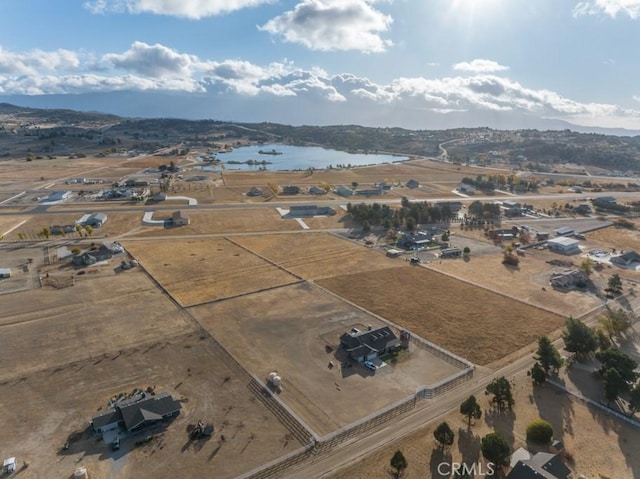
{"x": 441, "y": 353}
{"x": 317, "y": 446}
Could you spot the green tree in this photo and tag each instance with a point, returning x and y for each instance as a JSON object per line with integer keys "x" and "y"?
{"x": 539, "y": 431}
{"x": 615, "y": 323}
{"x": 444, "y": 237}
{"x": 587, "y": 266}
{"x": 471, "y": 409}
{"x": 615, "y": 284}
{"x": 502, "y": 396}
{"x": 88, "y": 229}
{"x": 354, "y": 185}
{"x": 466, "y": 251}
{"x": 366, "y": 227}
{"x": 624, "y": 364}
{"x": 46, "y": 232}
{"x": 538, "y": 375}
{"x": 399, "y": 463}
{"x": 547, "y": 355}
{"x": 410, "y": 223}
{"x": 579, "y": 338}
{"x": 444, "y": 435}
{"x": 603, "y": 340}
{"x": 495, "y": 449}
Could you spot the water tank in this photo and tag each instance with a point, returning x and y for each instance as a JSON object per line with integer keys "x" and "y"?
{"x": 276, "y": 381}
{"x": 271, "y": 376}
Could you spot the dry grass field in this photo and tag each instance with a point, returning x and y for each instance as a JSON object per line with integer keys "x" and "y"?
{"x": 46, "y": 327}
{"x": 55, "y": 405}
{"x": 525, "y": 282}
{"x": 200, "y": 270}
{"x": 316, "y": 255}
{"x": 470, "y": 321}
{"x": 287, "y": 329}
{"x": 223, "y": 221}
{"x": 620, "y": 238}
{"x": 602, "y": 447}
{"x": 339, "y": 220}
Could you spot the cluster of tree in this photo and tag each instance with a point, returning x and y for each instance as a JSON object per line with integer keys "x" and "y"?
{"x": 480, "y": 182}
{"x": 616, "y": 207}
{"x": 483, "y": 210}
{"x": 409, "y": 214}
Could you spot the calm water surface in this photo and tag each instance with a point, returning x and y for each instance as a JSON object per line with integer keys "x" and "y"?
{"x": 299, "y": 158}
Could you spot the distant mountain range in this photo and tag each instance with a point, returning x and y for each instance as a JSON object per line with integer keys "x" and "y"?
{"x": 292, "y": 111}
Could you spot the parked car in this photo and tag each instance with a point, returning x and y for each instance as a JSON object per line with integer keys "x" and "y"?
{"x": 370, "y": 365}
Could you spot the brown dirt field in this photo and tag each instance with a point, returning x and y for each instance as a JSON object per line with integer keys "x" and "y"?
{"x": 316, "y": 255}
{"x": 585, "y": 432}
{"x": 55, "y": 406}
{"x": 470, "y": 321}
{"x": 525, "y": 282}
{"x": 271, "y": 331}
{"x": 8, "y": 222}
{"x": 223, "y": 221}
{"x": 200, "y": 270}
{"x": 47, "y": 327}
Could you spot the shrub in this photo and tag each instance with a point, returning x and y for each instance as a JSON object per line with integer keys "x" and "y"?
{"x": 539, "y": 431}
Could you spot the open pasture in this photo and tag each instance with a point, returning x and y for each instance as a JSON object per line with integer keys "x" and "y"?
{"x": 472, "y": 322}
{"x": 199, "y": 270}
{"x": 316, "y": 255}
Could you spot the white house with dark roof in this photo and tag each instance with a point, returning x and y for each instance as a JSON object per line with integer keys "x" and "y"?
{"x": 369, "y": 345}
{"x": 630, "y": 260}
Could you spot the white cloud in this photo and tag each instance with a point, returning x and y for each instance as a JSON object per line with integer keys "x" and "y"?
{"x": 612, "y": 8}
{"x": 37, "y": 60}
{"x": 480, "y": 65}
{"x": 329, "y": 25}
{"x": 192, "y": 9}
{"x": 151, "y": 60}
{"x": 156, "y": 67}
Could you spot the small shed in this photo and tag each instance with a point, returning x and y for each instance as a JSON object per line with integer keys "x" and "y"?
{"x": 9, "y": 465}
{"x": 180, "y": 218}
{"x": 564, "y": 231}
{"x": 5, "y": 272}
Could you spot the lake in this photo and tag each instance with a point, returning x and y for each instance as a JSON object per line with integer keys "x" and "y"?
{"x": 298, "y": 158}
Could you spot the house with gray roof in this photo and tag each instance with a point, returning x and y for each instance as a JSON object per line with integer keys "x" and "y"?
{"x": 542, "y": 465}
{"x": 630, "y": 259}
{"x": 368, "y": 345}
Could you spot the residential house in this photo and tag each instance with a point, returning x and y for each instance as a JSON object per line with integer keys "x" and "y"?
{"x": 344, "y": 191}
{"x": 383, "y": 186}
{"x": 466, "y": 189}
{"x": 160, "y": 196}
{"x": 512, "y": 208}
{"x": 413, "y": 184}
{"x": 135, "y": 414}
{"x": 316, "y": 190}
{"x": 290, "y": 190}
{"x": 369, "y": 345}
{"x": 369, "y": 192}
{"x": 630, "y": 259}
{"x": 542, "y": 465}
{"x": 61, "y": 195}
{"x": 604, "y": 200}
{"x": 582, "y": 209}
{"x": 95, "y": 220}
{"x": 564, "y": 245}
{"x": 254, "y": 191}
{"x": 311, "y": 210}
{"x": 93, "y": 256}
{"x": 568, "y": 279}
{"x": 415, "y": 241}
{"x": 180, "y": 218}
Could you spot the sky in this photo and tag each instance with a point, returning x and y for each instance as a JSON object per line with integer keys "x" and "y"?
{"x": 412, "y": 63}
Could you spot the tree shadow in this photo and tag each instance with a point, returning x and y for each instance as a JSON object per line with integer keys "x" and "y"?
{"x": 501, "y": 422}
{"x": 556, "y": 407}
{"x": 469, "y": 446}
{"x": 439, "y": 457}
